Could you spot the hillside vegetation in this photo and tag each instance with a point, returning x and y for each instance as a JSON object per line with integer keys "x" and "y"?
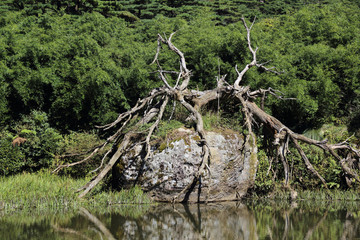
{"x": 67, "y": 66}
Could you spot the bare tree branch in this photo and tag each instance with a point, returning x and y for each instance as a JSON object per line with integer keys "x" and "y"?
{"x": 126, "y": 142}
{"x": 205, "y": 146}
{"x": 162, "y": 76}
{"x": 185, "y": 73}
{"x": 153, "y": 106}
{"x": 155, "y": 125}
{"x": 139, "y": 105}
{"x": 307, "y": 162}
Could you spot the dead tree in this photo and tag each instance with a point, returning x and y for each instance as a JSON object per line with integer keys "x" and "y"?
{"x": 152, "y": 107}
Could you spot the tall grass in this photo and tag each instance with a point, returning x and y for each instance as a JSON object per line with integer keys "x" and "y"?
{"x": 309, "y": 195}
{"x": 132, "y": 196}
{"x": 47, "y": 191}
{"x": 41, "y": 190}
{"x": 330, "y": 195}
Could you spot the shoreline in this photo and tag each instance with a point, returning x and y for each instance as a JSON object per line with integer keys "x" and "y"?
{"x": 47, "y": 191}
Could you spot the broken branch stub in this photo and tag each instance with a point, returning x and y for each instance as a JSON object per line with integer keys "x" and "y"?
{"x": 152, "y": 109}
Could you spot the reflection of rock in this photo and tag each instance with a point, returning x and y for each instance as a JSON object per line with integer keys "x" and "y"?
{"x": 221, "y": 221}
{"x": 174, "y": 163}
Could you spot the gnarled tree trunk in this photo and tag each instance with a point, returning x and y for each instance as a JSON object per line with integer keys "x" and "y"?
{"x": 152, "y": 107}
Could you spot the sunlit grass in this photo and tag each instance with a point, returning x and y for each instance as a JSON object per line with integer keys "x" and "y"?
{"x": 131, "y": 196}
{"x": 313, "y": 195}
{"x": 322, "y": 195}
{"x": 47, "y": 191}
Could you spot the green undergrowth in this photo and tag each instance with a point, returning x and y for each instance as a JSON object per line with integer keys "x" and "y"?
{"x": 270, "y": 172}
{"x": 167, "y": 132}
{"x": 212, "y": 121}
{"x": 166, "y": 127}
{"x": 215, "y": 121}
{"x": 46, "y": 191}
{"x": 132, "y": 196}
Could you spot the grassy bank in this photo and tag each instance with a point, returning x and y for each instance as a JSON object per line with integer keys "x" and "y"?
{"x": 44, "y": 191}
{"x": 309, "y": 195}
{"x": 47, "y": 191}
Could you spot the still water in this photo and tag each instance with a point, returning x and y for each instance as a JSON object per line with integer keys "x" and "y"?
{"x": 235, "y": 220}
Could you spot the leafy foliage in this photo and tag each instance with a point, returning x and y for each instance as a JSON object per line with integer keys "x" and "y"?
{"x": 42, "y": 141}
{"x": 328, "y": 167}
{"x": 71, "y": 65}
{"x": 74, "y": 69}
{"x": 79, "y": 69}
{"x": 73, "y": 148}
{"x": 12, "y": 160}
{"x": 310, "y": 47}
{"x": 37, "y": 152}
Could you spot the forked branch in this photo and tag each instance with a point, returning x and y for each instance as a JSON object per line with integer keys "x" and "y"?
{"x": 193, "y": 100}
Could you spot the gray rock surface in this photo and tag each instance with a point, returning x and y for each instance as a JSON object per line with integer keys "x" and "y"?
{"x": 175, "y": 160}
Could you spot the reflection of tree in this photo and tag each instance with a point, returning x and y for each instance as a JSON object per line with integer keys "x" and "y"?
{"x": 85, "y": 213}
{"x": 69, "y": 231}
{"x": 164, "y": 221}
{"x": 350, "y": 227}
{"x": 219, "y": 221}
{"x": 188, "y": 216}
{"x": 191, "y": 217}
{"x": 286, "y": 216}
{"x": 306, "y": 220}
{"x": 97, "y": 223}
{"x": 311, "y": 230}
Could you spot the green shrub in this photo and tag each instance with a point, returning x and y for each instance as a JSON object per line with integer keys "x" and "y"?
{"x": 45, "y": 147}
{"x": 42, "y": 140}
{"x": 12, "y": 160}
{"x": 264, "y": 182}
{"x": 71, "y": 148}
{"x": 37, "y": 152}
{"x": 300, "y": 177}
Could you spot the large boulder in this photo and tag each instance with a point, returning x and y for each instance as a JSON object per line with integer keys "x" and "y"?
{"x": 175, "y": 160}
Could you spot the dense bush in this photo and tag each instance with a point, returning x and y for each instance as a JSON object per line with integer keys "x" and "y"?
{"x": 67, "y": 67}
{"x": 45, "y": 147}
{"x": 75, "y": 147}
{"x": 84, "y": 69}
{"x": 12, "y": 160}
{"x": 270, "y": 170}
{"x": 37, "y": 152}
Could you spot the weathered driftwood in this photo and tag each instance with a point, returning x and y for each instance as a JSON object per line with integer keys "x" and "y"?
{"x": 152, "y": 107}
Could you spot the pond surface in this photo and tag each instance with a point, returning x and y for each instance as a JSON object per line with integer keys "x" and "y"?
{"x": 235, "y": 220}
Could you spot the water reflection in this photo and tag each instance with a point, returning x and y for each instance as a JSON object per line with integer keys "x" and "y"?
{"x": 253, "y": 220}
{"x": 225, "y": 221}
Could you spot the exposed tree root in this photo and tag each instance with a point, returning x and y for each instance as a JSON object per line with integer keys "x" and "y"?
{"x": 152, "y": 108}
